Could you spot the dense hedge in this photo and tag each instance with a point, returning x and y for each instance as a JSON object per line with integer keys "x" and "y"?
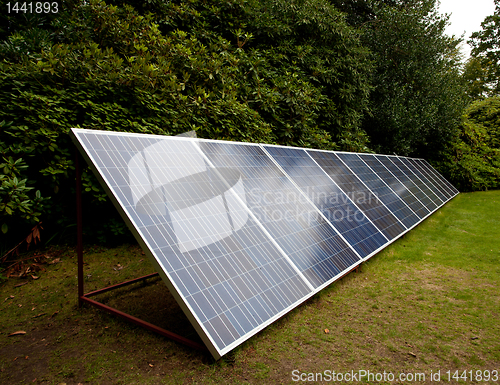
{"x": 186, "y": 66}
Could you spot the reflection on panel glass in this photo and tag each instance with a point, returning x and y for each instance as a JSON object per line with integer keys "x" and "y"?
{"x": 335, "y": 205}
{"x": 436, "y": 195}
{"x": 295, "y": 224}
{"x": 428, "y": 197}
{"x": 383, "y": 192}
{"x": 407, "y": 182}
{"x": 364, "y": 198}
{"x": 398, "y": 187}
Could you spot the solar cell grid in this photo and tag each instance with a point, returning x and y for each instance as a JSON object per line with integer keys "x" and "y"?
{"x": 392, "y": 201}
{"x": 335, "y": 205}
{"x": 362, "y": 197}
{"x": 425, "y": 190}
{"x": 407, "y": 182}
{"x": 436, "y": 183}
{"x": 439, "y": 198}
{"x": 292, "y": 221}
{"x": 452, "y": 191}
{"x": 243, "y": 233}
{"x": 394, "y": 183}
{"x": 231, "y": 279}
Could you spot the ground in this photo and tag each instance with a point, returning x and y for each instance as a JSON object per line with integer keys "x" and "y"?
{"x": 428, "y": 304}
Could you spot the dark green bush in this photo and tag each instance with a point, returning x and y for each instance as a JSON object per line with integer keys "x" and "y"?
{"x": 474, "y": 161}
{"x": 166, "y": 68}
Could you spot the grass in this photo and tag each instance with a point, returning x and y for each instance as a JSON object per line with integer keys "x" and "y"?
{"x": 429, "y": 302}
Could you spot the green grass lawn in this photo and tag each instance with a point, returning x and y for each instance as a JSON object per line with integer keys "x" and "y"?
{"x": 428, "y": 303}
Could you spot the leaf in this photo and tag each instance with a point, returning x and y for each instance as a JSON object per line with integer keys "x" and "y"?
{"x": 5, "y": 228}
{"x": 18, "y": 333}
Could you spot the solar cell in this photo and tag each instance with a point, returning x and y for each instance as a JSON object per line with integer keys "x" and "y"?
{"x": 242, "y": 233}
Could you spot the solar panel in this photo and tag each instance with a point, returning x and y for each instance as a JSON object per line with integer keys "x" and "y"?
{"x": 381, "y": 189}
{"x": 310, "y": 242}
{"x": 412, "y": 187}
{"x": 423, "y": 182}
{"x": 335, "y": 205}
{"x": 428, "y": 195}
{"x": 431, "y": 182}
{"x": 396, "y": 185}
{"x": 242, "y": 233}
{"x": 361, "y": 195}
{"x": 447, "y": 186}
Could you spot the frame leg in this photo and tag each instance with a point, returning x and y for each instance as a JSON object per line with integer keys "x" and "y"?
{"x": 79, "y": 227}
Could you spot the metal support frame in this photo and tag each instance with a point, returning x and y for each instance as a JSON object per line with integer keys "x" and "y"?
{"x": 84, "y": 298}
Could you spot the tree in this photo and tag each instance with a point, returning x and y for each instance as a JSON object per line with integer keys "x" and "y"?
{"x": 104, "y": 67}
{"x": 310, "y": 46}
{"x": 418, "y": 93}
{"x": 486, "y": 49}
{"x": 475, "y": 76}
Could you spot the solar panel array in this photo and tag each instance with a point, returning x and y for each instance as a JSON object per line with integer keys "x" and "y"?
{"x": 242, "y": 233}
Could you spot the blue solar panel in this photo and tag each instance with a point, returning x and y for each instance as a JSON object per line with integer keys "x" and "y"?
{"x": 379, "y": 188}
{"x": 291, "y": 220}
{"x": 223, "y": 268}
{"x": 442, "y": 182}
{"x": 432, "y": 178}
{"x": 335, "y": 205}
{"x": 242, "y": 233}
{"x": 407, "y": 182}
{"x": 361, "y": 195}
{"x": 396, "y": 185}
{"x": 427, "y": 194}
{"x": 426, "y": 185}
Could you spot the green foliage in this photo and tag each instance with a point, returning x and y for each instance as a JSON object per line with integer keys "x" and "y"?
{"x": 419, "y": 95}
{"x": 314, "y": 73}
{"x": 187, "y": 66}
{"x": 318, "y": 64}
{"x": 18, "y": 202}
{"x": 475, "y": 160}
{"x": 485, "y": 49}
{"x": 475, "y": 75}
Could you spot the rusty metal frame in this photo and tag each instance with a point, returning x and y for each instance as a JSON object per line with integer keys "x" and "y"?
{"x": 85, "y": 297}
